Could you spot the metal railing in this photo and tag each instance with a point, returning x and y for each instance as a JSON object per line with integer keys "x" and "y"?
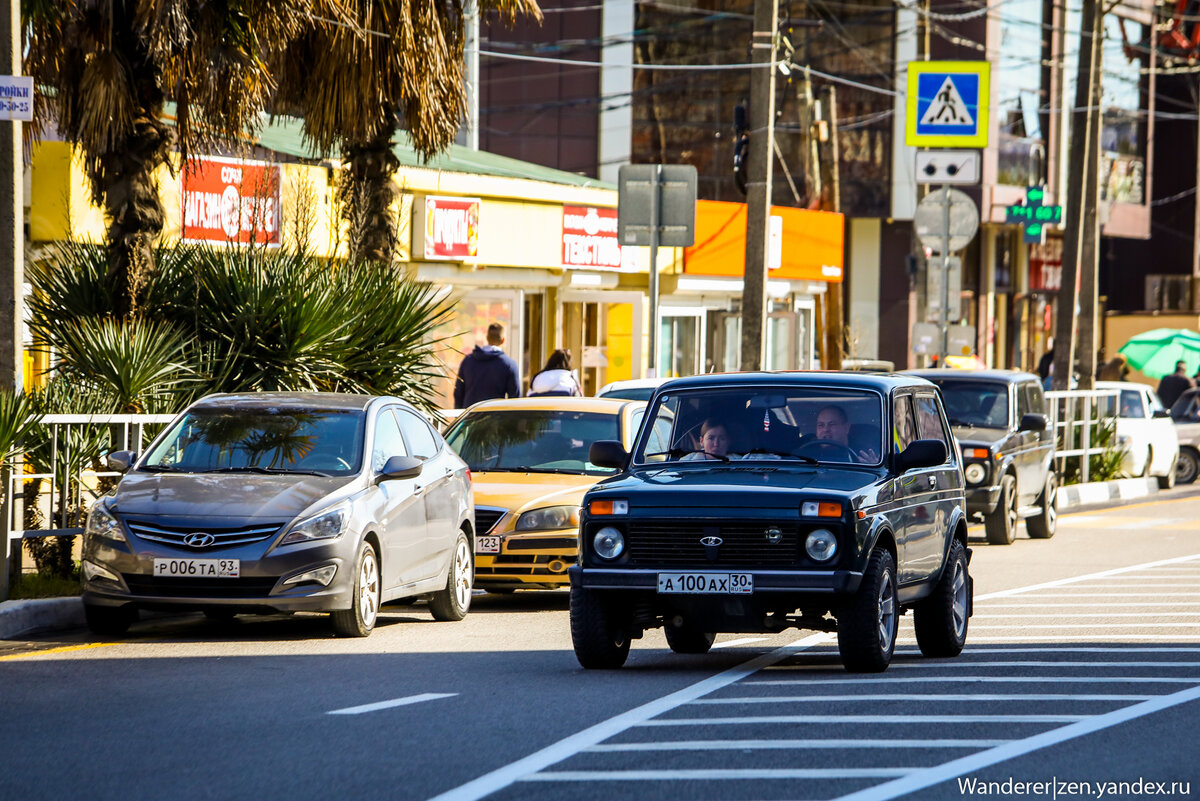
{"x": 1077, "y": 417}
{"x": 71, "y": 445}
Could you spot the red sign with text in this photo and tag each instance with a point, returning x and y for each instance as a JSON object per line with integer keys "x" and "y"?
{"x": 231, "y": 202}
{"x": 590, "y": 237}
{"x": 451, "y": 228}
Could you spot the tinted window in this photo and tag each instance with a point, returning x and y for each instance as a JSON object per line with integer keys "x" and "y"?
{"x": 1131, "y": 404}
{"x": 1037, "y": 400}
{"x": 904, "y": 430}
{"x": 1022, "y": 402}
{"x": 388, "y": 441}
{"x": 534, "y": 441}
{"x": 422, "y": 441}
{"x": 764, "y": 422}
{"x": 983, "y": 404}
{"x": 929, "y": 422}
{"x": 262, "y": 438}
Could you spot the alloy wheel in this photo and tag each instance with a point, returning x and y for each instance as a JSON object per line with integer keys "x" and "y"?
{"x": 959, "y": 605}
{"x": 886, "y": 603}
{"x": 463, "y": 574}
{"x": 368, "y": 588}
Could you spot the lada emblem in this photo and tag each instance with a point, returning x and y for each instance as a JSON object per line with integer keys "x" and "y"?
{"x": 199, "y": 539}
{"x": 712, "y": 547}
{"x": 774, "y": 535}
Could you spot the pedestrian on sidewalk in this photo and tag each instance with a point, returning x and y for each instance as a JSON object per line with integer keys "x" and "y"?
{"x": 486, "y": 372}
{"x": 1173, "y": 385}
{"x": 557, "y": 377}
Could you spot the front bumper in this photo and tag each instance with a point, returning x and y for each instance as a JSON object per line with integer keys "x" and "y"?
{"x": 982, "y": 500}
{"x": 541, "y": 559}
{"x": 259, "y": 586}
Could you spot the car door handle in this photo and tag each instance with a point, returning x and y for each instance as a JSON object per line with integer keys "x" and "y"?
{"x": 417, "y": 490}
{"x": 933, "y": 481}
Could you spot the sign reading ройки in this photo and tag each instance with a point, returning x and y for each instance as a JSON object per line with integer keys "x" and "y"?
{"x": 589, "y": 237}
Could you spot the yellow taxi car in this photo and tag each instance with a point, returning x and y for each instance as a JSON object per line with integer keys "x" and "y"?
{"x": 530, "y": 470}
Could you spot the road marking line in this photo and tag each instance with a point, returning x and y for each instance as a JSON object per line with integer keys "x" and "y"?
{"x": 1087, "y": 605}
{"x": 1146, "y": 583}
{"x": 1157, "y": 576}
{"x": 805, "y": 699}
{"x": 1169, "y": 595}
{"x": 1076, "y": 579}
{"x": 742, "y": 641}
{"x": 994, "y": 639}
{"x": 962, "y": 663}
{"x": 786, "y": 745}
{"x": 714, "y": 774}
{"x": 1016, "y": 748}
{"x": 984, "y": 680}
{"x": 569, "y": 746}
{"x": 64, "y": 649}
{"x": 1027, "y": 626}
{"x": 411, "y": 699}
{"x": 879, "y": 719}
{"x": 1075, "y": 649}
{"x": 1096, "y": 614}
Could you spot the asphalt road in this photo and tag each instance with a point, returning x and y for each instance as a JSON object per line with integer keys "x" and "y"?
{"x": 1082, "y": 666}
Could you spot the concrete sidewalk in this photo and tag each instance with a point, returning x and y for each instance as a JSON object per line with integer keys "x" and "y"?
{"x": 22, "y": 618}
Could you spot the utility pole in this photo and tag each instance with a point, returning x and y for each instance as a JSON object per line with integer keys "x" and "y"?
{"x": 1080, "y": 207}
{"x": 12, "y": 253}
{"x": 758, "y": 184}
{"x": 826, "y": 135}
{"x": 1089, "y": 234}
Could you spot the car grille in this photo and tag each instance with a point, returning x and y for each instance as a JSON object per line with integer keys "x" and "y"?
{"x": 545, "y": 543}
{"x": 744, "y": 543}
{"x": 486, "y": 518}
{"x": 223, "y": 536}
{"x": 164, "y": 587}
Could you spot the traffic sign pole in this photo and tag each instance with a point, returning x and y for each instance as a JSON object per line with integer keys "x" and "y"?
{"x": 652, "y": 363}
{"x": 945, "y": 315}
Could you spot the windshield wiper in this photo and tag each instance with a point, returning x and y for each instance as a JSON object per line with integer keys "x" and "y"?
{"x": 674, "y": 453}
{"x": 161, "y": 468}
{"x": 783, "y": 455}
{"x": 954, "y": 421}
{"x": 266, "y": 471}
{"x": 563, "y": 470}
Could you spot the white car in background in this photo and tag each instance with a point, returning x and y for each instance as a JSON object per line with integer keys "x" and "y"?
{"x": 630, "y": 389}
{"x": 1146, "y": 432}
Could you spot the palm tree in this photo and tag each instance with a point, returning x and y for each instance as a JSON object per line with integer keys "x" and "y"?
{"x": 106, "y": 69}
{"x": 400, "y": 66}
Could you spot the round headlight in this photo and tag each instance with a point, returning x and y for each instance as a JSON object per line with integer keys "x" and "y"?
{"x": 821, "y": 545}
{"x": 975, "y": 473}
{"x": 609, "y": 543}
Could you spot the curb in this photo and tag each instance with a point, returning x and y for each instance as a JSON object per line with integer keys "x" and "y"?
{"x": 1122, "y": 489}
{"x": 18, "y": 618}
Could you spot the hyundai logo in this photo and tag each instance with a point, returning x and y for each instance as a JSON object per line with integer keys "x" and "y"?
{"x": 774, "y": 535}
{"x": 199, "y": 539}
{"x": 711, "y": 542}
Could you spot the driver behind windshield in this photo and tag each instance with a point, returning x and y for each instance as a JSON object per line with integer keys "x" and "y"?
{"x": 834, "y": 426}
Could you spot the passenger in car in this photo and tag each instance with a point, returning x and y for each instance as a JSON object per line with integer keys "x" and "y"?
{"x": 714, "y": 443}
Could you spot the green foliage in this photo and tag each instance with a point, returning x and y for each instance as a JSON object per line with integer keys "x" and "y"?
{"x": 1101, "y": 466}
{"x": 18, "y": 418}
{"x": 238, "y": 320}
{"x": 44, "y": 585}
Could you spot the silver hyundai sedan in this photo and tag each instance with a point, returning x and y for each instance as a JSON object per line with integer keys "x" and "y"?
{"x": 284, "y": 502}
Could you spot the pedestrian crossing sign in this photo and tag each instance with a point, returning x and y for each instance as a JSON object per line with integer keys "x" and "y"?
{"x": 947, "y": 104}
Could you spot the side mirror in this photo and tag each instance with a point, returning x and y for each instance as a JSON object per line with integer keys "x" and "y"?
{"x": 608, "y": 453}
{"x": 1033, "y": 422}
{"x": 923, "y": 453}
{"x": 121, "y": 461}
{"x": 1160, "y": 413}
{"x": 400, "y": 467}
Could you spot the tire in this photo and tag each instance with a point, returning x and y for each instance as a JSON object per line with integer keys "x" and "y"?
{"x": 1188, "y": 466}
{"x": 1042, "y": 525}
{"x": 1168, "y": 481}
{"x": 941, "y": 619}
{"x": 109, "y": 621}
{"x": 359, "y": 619}
{"x": 689, "y": 641}
{"x": 1001, "y": 525}
{"x": 867, "y": 625}
{"x": 453, "y": 602}
{"x": 599, "y": 633}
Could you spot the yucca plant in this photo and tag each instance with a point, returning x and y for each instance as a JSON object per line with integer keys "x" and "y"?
{"x": 139, "y": 361}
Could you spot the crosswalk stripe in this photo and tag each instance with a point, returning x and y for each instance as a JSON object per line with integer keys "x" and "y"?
{"x": 879, "y": 719}
{"x": 982, "y": 679}
{"x": 786, "y": 745}
{"x": 716, "y": 774}
{"x": 923, "y": 697}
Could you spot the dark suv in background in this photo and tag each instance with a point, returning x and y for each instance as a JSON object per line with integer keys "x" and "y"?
{"x": 1000, "y": 421}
